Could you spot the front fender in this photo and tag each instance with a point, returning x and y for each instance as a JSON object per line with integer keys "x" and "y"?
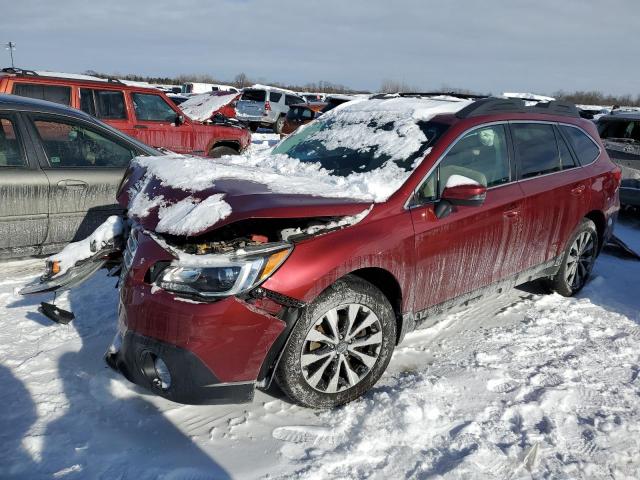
{"x": 316, "y": 263}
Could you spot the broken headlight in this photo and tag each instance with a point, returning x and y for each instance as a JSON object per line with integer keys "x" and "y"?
{"x": 222, "y": 275}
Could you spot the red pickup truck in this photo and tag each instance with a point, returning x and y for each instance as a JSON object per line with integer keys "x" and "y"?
{"x": 142, "y": 112}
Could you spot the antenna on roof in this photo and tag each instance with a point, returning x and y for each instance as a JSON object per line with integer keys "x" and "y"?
{"x": 11, "y": 46}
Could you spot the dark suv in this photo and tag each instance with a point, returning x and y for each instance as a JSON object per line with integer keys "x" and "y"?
{"x": 311, "y": 264}
{"x": 620, "y": 133}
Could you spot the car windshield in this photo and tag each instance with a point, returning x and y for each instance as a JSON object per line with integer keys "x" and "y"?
{"x": 345, "y": 147}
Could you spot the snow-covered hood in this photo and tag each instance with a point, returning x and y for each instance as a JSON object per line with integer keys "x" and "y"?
{"x": 168, "y": 208}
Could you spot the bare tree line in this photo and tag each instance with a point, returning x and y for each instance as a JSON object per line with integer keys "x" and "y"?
{"x": 242, "y": 80}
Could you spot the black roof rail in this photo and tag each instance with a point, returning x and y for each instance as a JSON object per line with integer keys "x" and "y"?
{"x": 487, "y": 106}
{"x": 20, "y": 71}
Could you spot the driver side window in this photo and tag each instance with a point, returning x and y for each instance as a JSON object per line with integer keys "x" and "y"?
{"x": 480, "y": 155}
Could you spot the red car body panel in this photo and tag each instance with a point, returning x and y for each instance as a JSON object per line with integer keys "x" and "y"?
{"x": 425, "y": 259}
{"x": 189, "y": 137}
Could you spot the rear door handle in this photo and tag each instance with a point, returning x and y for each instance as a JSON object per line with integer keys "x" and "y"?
{"x": 141, "y": 127}
{"x": 577, "y": 191}
{"x": 72, "y": 184}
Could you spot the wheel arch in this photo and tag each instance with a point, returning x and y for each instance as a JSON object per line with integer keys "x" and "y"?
{"x": 597, "y": 217}
{"x": 387, "y": 283}
{"x": 225, "y": 143}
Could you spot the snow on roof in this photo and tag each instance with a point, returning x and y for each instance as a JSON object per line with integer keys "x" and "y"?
{"x": 528, "y": 96}
{"x": 79, "y": 76}
{"x": 201, "y": 107}
{"x": 259, "y": 86}
{"x": 73, "y": 76}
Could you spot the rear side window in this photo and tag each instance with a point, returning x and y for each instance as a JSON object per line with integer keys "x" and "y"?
{"x": 152, "y": 108}
{"x": 275, "y": 96}
{"x": 585, "y": 148}
{"x": 11, "y": 154}
{"x": 68, "y": 144}
{"x": 254, "y": 95}
{"x": 536, "y": 149}
{"x": 104, "y": 104}
{"x": 566, "y": 159}
{"x": 291, "y": 100}
{"x": 299, "y": 113}
{"x": 50, "y": 93}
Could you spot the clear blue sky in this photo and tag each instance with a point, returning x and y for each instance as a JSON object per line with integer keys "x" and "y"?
{"x": 490, "y": 46}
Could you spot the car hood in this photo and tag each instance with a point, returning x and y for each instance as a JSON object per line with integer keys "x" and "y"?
{"x": 246, "y": 200}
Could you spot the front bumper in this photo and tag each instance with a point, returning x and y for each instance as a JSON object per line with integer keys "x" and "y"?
{"x": 191, "y": 381}
{"x": 214, "y": 351}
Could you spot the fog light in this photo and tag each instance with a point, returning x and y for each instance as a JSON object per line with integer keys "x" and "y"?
{"x": 156, "y": 371}
{"x": 162, "y": 373}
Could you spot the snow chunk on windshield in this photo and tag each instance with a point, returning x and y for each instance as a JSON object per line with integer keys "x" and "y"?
{"x": 81, "y": 250}
{"x": 387, "y": 126}
{"x": 202, "y": 107}
{"x": 191, "y": 215}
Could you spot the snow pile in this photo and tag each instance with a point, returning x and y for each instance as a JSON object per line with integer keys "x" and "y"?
{"x": 528, "y": 96}
{"x": 191, "y": 215}
{"x": 555, "y": 394}
{"x": 202, "y": 107}
{"x": 81, "y": 250}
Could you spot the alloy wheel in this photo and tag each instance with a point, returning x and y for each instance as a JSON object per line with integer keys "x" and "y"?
{"x": 580, "y": 260}
{"x": 341, "y": 348}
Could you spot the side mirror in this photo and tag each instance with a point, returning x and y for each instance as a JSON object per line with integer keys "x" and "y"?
{"x": 461, "y": 190}
{"x": 179, "y": 120}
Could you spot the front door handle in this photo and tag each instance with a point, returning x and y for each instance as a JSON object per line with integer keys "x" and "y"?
{"x": 511, "y": 212}
{"x": 72, "y": 184}
{"x": 577, "y": 191}
{"x": 140, "y": 127}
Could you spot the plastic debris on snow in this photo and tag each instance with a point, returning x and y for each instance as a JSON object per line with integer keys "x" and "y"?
{"x": 81, "y": 250}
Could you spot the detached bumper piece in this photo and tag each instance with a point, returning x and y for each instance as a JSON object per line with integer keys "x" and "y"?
{"x": 172, "y": 372}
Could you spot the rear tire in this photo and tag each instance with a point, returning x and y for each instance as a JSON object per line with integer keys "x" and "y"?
{"x": 279, "y": 125}
{"x": 340, "y": 346}
{"x": 217, "y": 152}
{"x": 577, "y": 261}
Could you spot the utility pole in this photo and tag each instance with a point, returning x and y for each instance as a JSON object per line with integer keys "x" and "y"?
{"x": 11, "y": 46}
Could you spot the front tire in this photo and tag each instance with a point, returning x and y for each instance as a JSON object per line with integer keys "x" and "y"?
{"x": 340, "y": 346}
{"x": 577, "y": 261}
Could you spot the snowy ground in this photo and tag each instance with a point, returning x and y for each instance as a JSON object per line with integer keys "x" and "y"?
{"x": 525, "y": 385}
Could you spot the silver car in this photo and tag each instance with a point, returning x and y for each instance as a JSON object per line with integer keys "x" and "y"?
{"x": 265, "y": 107}
{"x": 59, "y": 172}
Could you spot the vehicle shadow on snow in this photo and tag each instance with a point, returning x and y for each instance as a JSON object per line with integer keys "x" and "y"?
{"x": 17, "y": 415}
{"x": 109, "y": 430}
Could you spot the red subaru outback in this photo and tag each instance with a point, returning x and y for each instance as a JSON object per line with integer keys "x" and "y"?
{"x": 144, "y": 113}
{"x": 310, "y": 265}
